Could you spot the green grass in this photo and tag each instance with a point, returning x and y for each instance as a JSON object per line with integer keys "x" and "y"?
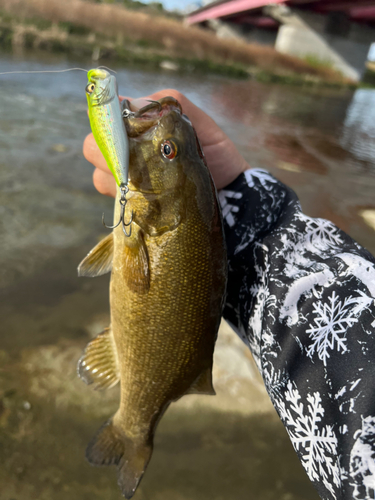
{"x": 40, "y": 24}
{"x": 368, "y": 79}
{"x": 6, "y": 36}
{"x": 318, "y": 63}
{"x": 148, "y": 44}
{"x": 73, "y": 29}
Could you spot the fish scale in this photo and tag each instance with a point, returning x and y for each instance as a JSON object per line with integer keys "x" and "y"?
{"x": 168, "y": 280}
{"x": 158, "y": 309}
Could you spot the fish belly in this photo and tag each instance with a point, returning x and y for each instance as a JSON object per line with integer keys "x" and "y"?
{"x": 165, "y": 337}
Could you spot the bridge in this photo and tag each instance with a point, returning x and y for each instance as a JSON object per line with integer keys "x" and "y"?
{"x": 334, "y": 32}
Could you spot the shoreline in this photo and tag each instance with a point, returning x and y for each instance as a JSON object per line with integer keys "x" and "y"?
{"x": 17, "y": 35}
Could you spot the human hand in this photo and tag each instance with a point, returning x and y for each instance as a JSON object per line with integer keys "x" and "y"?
{"x": 223, "y": 159}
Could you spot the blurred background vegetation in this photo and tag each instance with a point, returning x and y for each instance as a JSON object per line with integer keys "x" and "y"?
{"x": 133, "y": 32}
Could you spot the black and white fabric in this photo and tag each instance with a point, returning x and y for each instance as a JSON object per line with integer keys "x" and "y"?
{"x": 301, "y": 294}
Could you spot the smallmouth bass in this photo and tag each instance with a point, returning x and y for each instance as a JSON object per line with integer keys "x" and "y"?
{"x": 167, "y": 289}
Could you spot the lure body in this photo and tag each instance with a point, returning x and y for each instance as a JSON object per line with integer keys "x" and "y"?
{"x": 107, "y": 124}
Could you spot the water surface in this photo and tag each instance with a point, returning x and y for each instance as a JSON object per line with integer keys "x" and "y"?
{"x": 321, "y": 143}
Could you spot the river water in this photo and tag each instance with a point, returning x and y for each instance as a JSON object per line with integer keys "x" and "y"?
{"x": 319, "y": 142}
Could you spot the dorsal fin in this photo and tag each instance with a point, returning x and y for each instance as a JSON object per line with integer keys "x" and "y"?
{"x": 99, "y": 260}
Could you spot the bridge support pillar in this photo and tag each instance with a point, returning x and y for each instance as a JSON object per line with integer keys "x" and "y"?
{"x": 330, "y": 40}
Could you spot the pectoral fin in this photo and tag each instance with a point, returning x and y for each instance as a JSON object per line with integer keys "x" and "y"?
{"x": 203, "y": 384}
{"x": 136, "y": 271}
{"x": 98, "y": 364}
{"x": 99, "y": 260}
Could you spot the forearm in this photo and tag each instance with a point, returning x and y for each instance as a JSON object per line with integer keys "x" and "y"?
{"x": 301, "y": 294}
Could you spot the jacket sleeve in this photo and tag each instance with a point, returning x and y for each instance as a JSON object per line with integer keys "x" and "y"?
{"x": 301, "y": 295}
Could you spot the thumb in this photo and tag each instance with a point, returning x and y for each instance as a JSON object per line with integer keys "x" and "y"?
{"x": 139, "y": 103}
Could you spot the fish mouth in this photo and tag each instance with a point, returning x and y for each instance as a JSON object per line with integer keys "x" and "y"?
{"x": 156, "y": 109}
{"x": 139, "y": 122}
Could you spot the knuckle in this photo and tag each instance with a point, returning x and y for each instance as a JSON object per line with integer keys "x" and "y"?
{"x": 176, "y": 94}
{"x": 98, "y": 182}
{"x": 87, "y": 147}
{"x": 171, "y": 93}
{"x": 104, "y": 183}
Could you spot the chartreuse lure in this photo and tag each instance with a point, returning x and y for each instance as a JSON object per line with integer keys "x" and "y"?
{"x": 109, "y": 131}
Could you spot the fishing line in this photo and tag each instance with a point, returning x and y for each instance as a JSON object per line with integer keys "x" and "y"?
{"x": 55, "y": 71}
{"x": 45, "y": 71}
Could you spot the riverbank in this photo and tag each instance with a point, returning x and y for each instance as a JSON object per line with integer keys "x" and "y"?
{"x": 106, "y": 32}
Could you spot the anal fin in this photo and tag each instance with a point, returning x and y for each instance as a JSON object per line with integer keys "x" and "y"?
{"x": 99, "y": 260}
{"x": 98, "y": 365}
{"x": 203, "y": 384}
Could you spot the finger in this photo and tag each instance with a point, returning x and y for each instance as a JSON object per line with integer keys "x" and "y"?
{"x": 121, "y": 98}
{"x": 93, "y": 154}
{"x": 200, "y": 120}
{"x": 137, "y": 104}
{"x": 104, "y": 183}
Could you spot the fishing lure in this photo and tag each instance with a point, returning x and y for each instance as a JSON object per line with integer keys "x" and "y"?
{"x": 109, "y": 131}
{"x": 106, "y": 120}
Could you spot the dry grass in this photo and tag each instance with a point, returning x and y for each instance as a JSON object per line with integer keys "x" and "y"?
{"x": 176, "y": 38}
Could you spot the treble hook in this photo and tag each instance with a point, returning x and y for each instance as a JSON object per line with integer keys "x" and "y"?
{"x": 126, "y": 113}
{"x": 123, "y": 201}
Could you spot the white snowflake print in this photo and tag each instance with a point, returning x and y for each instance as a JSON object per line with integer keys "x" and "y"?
{"x": 275, "y": 380}
{"x": 302, "y": 286}
{"x": 362, "y": 269}
{"x": 261, "y": 292}
{"x": 333, "y": 318}
{"x": 263, "y": 176}
{"x": 362, "y": 461}
{"x": 322, "y": 234}
{"x": 303, "y": 294}
{"x": 315, "y": 443}
{"x": 228, "y": 209}
{"x": 348, "y": 395}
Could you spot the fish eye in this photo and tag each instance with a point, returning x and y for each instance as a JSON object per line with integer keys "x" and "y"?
{"x": 168, "y": 150}
{"x": 90, "y": 87}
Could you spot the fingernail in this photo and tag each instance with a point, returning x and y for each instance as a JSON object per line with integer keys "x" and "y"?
{"x": 137, "y": 104}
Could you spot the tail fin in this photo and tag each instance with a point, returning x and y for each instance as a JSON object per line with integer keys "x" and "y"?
{"x": 110, "y": 447}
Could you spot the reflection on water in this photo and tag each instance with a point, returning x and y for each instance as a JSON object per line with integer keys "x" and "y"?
{"x": 359, "y": 127}
{"x": 321, "y": 143}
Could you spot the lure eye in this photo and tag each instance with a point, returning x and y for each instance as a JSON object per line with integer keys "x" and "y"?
{"x": 168, "y": 150}
{"x": 90, "y": 87}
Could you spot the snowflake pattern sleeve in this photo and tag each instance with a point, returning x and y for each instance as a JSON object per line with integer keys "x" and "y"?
{"x": 301, "y": 294}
